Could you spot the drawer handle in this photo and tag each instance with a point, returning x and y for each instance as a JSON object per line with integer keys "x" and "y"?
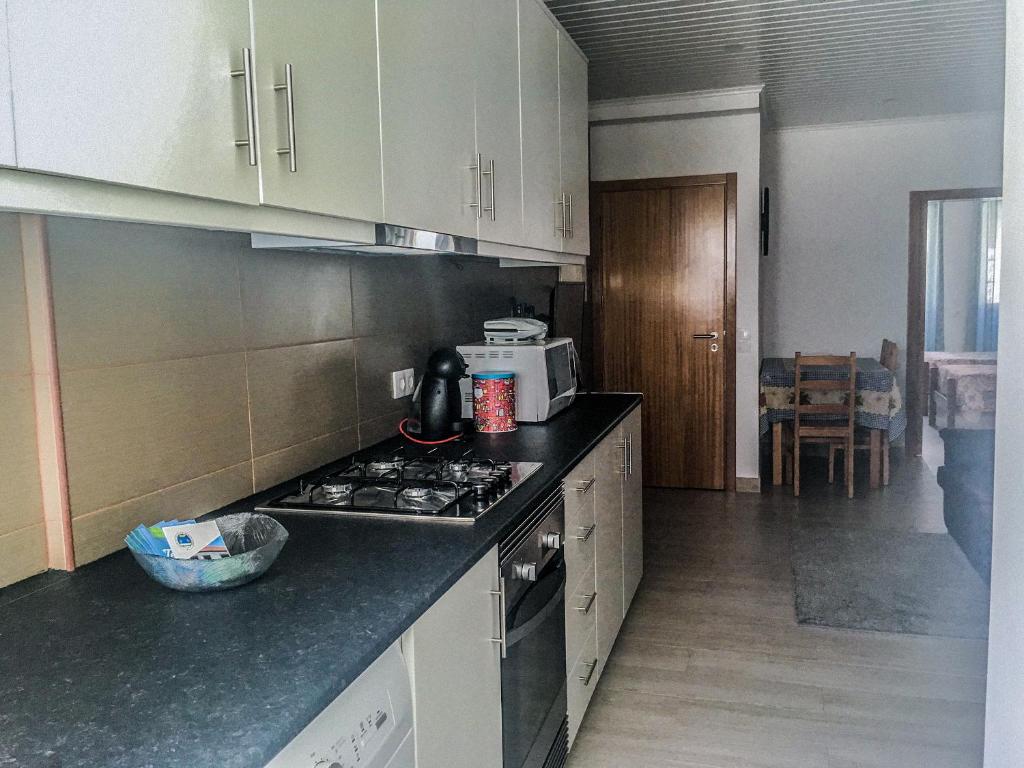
{"x": 584, "y": 486}
{"x": 587, "y": 533}
{"x": 585, "y": 679}
{"x": 585, "y": 609}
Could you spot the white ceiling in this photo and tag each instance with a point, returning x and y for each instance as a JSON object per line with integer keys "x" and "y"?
{"x": 822, "y": 61}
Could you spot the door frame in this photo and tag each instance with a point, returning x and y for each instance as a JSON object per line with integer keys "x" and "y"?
{"x": 728, "y": 180}
{"x": 917, "y": 265}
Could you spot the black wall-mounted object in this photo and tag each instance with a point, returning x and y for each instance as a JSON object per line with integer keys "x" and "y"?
{"x": 765, "y": 218}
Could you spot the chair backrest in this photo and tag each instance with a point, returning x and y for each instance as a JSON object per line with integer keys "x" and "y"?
{"x": 890, "y": 355}
{"x": 846, "y": 383}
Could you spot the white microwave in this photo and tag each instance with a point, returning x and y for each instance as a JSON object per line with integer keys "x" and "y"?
{"x": 545, "y": 372}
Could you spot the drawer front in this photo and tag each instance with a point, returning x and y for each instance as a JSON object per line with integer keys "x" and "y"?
{"x": 580, "y": 544}
{"x": 579, "y": 489}
{"x": 580, "y": 610}
{"x": 581, "y": 684}
{"x": 580, "y": 515}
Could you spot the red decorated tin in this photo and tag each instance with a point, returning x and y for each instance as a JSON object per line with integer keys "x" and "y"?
{"x": 494, "y": 401}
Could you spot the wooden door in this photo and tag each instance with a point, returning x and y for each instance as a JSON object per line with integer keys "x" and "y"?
{"x": 137, "y": 93}
{"x": 665, "y": 306}
{"x": 428, "y": 136}
{"x": 538, "y": 76}
{"x": 331, "y": 46}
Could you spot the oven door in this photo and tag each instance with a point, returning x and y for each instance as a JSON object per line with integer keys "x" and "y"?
{"x": 533, "y": 679}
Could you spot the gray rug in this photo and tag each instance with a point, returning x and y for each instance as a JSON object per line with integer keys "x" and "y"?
{"x": 889, "y": 581}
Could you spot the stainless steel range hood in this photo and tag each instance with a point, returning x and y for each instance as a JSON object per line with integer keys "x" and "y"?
{"x": 388, "y": 239}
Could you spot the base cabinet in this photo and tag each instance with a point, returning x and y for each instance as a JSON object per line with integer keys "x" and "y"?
{"x": 604, "y": 548}
{"x": 456, "y": 674}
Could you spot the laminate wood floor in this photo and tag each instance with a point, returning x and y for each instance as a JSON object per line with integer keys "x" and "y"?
{"x": 711, "y": 669}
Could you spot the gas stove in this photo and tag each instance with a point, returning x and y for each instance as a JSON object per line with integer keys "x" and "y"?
{"x": 451, "y": 485}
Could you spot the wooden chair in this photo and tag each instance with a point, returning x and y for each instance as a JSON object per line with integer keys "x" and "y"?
{"x": 836, "y": 435}
{"x": 890, "y": 358}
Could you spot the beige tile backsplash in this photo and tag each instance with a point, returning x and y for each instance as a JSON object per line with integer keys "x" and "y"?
{"x": 195, "y": 370}
{"x": 22, "y": 541}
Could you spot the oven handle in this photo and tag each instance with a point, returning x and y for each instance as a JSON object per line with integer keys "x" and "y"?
{"x": 526, "y": 629}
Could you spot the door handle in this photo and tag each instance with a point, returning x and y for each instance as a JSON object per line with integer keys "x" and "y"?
{"x": 489, "y": 173}
{"x": 478, "y": 171}
{"x": 502, "y": 639}
{"x": 250, "y": 111}
{"x": 289, "y": 95}
{"x": 585, "y": 609}
{"x": 712, "y": 335}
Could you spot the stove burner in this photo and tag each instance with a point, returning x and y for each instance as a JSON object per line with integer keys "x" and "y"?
{"x": 335, "y": 489}
{"x": 384, "y": 466}
{"x": 416, "y": 492}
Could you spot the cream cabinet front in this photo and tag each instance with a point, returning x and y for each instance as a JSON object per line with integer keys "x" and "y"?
{"x": 604, "y": 549}
{"x": 319, "y": 119}
{"x": 428, "y": 137}
{"x": 7, "y": 156}
{"x": 574, "y": 146}
{"x": 456, "y": 674}
{"x": 140, "y": 93}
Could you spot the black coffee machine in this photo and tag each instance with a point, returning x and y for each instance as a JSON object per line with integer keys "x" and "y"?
{"x": 438, "y": 398}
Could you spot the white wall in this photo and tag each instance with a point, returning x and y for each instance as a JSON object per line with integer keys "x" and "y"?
{"x": 961, "y": 234}
{"x": 835, "y": 279}
{"x": 1004, "y": 718}
{"x": 694, "y": 146}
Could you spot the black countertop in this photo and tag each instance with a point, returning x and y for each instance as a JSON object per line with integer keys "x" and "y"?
{"x": 103, "y": 668}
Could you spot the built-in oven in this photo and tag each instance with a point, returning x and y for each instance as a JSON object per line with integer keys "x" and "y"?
{"x": 533, "y": 678}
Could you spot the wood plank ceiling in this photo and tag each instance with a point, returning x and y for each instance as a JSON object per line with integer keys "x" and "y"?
{"x": 821, "y": 61}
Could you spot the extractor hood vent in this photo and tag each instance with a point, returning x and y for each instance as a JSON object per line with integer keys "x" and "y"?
{"x": 388, "y": 239}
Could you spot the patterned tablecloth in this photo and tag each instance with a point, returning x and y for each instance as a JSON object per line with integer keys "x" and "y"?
{"x": 879, "y": 402}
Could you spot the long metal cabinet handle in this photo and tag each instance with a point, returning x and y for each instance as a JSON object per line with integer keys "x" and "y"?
{"x": 585, "y": 679}
{"x": 502, "y": 639}
{"x": 624, "y": 468}
{"x": 560, "y": 228}
{"x": 585, "y": 486}
{"x": 250, "y": 112}
{"x": 629, "y": 455}
{"x": 478, "y": 167}
{"x": 587, "y": 532}
{"x": 489, "y": 173}
{"x": 712, "y": 335}
{"x": 289, "y": 94}
{"x": 568, "y": 225}
{"x": 585, "y": 609}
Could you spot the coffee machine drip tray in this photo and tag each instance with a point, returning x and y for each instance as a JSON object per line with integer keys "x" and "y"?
{"x": 449, "y": 484}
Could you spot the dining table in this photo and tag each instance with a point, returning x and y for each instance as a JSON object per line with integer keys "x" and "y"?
{"x": 878, "y": 408}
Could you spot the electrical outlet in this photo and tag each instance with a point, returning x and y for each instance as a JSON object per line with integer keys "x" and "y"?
{"x": 402, "y": 383}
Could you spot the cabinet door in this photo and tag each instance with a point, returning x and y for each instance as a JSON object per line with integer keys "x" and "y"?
{"x": 538, "y": 77}
{"x": 135, "y": 92}
{"x": 428, "y": 137}
{"x": 457, "y": 675}
{"x": 574, "y": 134}
{"x": 609, "y": 463}
{"x": 632, "y": 509}
{"x": 333, "y": 137}
{"x": 6, "y": 102}
{"x": 497, "y": 120}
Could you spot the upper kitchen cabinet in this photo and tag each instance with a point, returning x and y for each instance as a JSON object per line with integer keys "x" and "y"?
{"x": 544, "y": 214}
{"x": 6, "y": 102}
{"x": 427, "y": 115}
{"x": 144, "y": 93}
{"x": 573, "y": 140}
{"x": 319, "y": 118}
{"x": 497, "y": 121}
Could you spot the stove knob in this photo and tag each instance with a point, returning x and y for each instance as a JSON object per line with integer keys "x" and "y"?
{"x": 525, "y": 571}
{"x": 481, "y": 492}
{"x": 551, "y": 541}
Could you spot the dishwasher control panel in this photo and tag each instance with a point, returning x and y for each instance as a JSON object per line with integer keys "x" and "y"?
{"x": 368, "y": 726}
